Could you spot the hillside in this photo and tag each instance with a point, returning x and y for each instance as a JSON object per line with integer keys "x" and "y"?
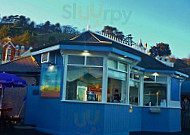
{"x": 21, "y": 30}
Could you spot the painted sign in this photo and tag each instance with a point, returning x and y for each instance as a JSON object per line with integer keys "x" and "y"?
{"x": 51, "y": 82}
{"x": 81, "y": 92}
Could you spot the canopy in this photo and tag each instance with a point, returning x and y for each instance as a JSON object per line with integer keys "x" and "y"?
{"x": 10, "y": 80}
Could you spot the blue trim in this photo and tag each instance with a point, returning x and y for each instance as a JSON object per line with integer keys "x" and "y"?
{"x": 101, "y": 49}
{"x": 139, "y": 68}
{"x": 182, "y": 74}
{"x": 126, "y": 54}
{"x": 161, "y": 71}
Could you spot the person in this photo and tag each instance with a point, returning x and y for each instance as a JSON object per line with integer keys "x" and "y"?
{"x": 116, "y": 96}
{"x": 185, "y": 105}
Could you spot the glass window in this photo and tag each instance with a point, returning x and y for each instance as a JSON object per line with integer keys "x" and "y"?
{"x": 9, "y": 46}
{"x": 161, "y": 79}
{"x": 84, "y": 83}
{"x": 72, "y": 59}
{"x": 116, "y": 92}
{"x": 96, "y": 61}
{"x": 9, "y": 51}
{"x": 136, "y": 77}
{"x": 22, "y": 47}
{"x": 158, "y": 78}
{"x": 16, "y": 54}
{"x": 122, "y": 67}
{"x": 155, "y": 94}
{"x": 8, "y": 58}
{"x": 134, "y": 92}
{"x": 112, "y": 64}
{"x": 17, "y": 47}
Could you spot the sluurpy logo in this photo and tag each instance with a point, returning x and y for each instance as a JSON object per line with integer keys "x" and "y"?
{"x": 95, "y": 12}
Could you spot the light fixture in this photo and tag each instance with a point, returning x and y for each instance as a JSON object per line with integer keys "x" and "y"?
{"x": 130, "y": 108}
{"x": 51, "y": 67}
{"x": 121, "y": 58}
{"x": 155, "y": 75}
{"x": 85, "y": 53}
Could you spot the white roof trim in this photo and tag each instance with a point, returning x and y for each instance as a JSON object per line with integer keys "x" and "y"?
{"x": 48, "y": 49}
{"x": 8, "y": 43}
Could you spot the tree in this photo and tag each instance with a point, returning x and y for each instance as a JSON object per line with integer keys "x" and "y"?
{"x": 52, "y": 39}
{"x": 129, "y": 39}
{"x": 57, "y": 28}
{"x": 26, "y": 38}
{"x": 4, "y": 31}
{"x": 31, "y": 25}
{"x": 46, "y": 26}
{"x": 161, "y": 49}
{"x": 113, "y": 31}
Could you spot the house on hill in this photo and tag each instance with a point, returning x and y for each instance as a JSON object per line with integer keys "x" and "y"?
{"x": 97, "y": 84}
{"x": 11, "y": 52}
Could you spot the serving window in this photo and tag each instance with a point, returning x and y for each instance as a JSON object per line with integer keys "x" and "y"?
{"x": 155, "y": 91}
{"x": 134, "y": 89}
{"x": 84, "y": 78}
{"x": 117, "y": 81}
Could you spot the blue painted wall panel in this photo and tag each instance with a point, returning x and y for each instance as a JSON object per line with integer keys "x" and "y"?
{"x": 31, "y": 106}
{"x": 155, "y": 121}
{"x": 185, "y": 88}
{"x": 116, "y": 119}
{"x": 83, "y": 118}
{"x": 169, "y": 120}
{"x": 175, "y": 120}
{"x": 56, "y": 117}
{"x": 175, "y": 89}
{"x": 135, "y": 119}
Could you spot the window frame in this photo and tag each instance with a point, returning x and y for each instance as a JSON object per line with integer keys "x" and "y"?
{"x": 105, "y": 57}
{"x": 126, "y": 101}
{"x": 158, "y": 82}
{"x": 138, "y": 81}
{"x": 66, "y": 64}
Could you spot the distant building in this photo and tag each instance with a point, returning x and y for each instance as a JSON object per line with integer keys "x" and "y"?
{"x": 11, "y": 52}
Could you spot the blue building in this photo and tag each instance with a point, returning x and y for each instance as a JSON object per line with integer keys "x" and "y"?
{"x": 95, "y": 84}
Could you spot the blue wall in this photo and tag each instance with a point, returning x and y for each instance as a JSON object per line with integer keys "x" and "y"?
{"x": 31, "y": 106}
{"x": 185, "y": 88}
{"x": 169, "y": 120}
{"x": 175, "y": 87}
{"x": 69, "y": 118}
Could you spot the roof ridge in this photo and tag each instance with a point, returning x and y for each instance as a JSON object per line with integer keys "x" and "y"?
{"x": 117, "y": 41}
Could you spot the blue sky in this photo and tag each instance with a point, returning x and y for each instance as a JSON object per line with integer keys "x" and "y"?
{"x": 153, "y": 21}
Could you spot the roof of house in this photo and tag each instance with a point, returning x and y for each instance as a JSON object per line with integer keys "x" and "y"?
{"x": 14, "y": 45}
{"x": 89, "y": 38}
{"x": 146, "y": 62}
{"x": 22, "y": 65}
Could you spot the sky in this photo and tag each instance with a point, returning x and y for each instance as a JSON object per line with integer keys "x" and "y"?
{"x": 152, "y": 21}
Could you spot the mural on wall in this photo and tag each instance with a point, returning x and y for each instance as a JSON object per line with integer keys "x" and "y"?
{"x": 51, "y": 82}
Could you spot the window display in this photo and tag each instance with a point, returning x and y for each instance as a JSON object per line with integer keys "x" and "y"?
{"x": 134, "y": 92}
{"x": 155, "y": 94}
{"x": 117, "y": 81}
{"x": 84, "y": 83}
